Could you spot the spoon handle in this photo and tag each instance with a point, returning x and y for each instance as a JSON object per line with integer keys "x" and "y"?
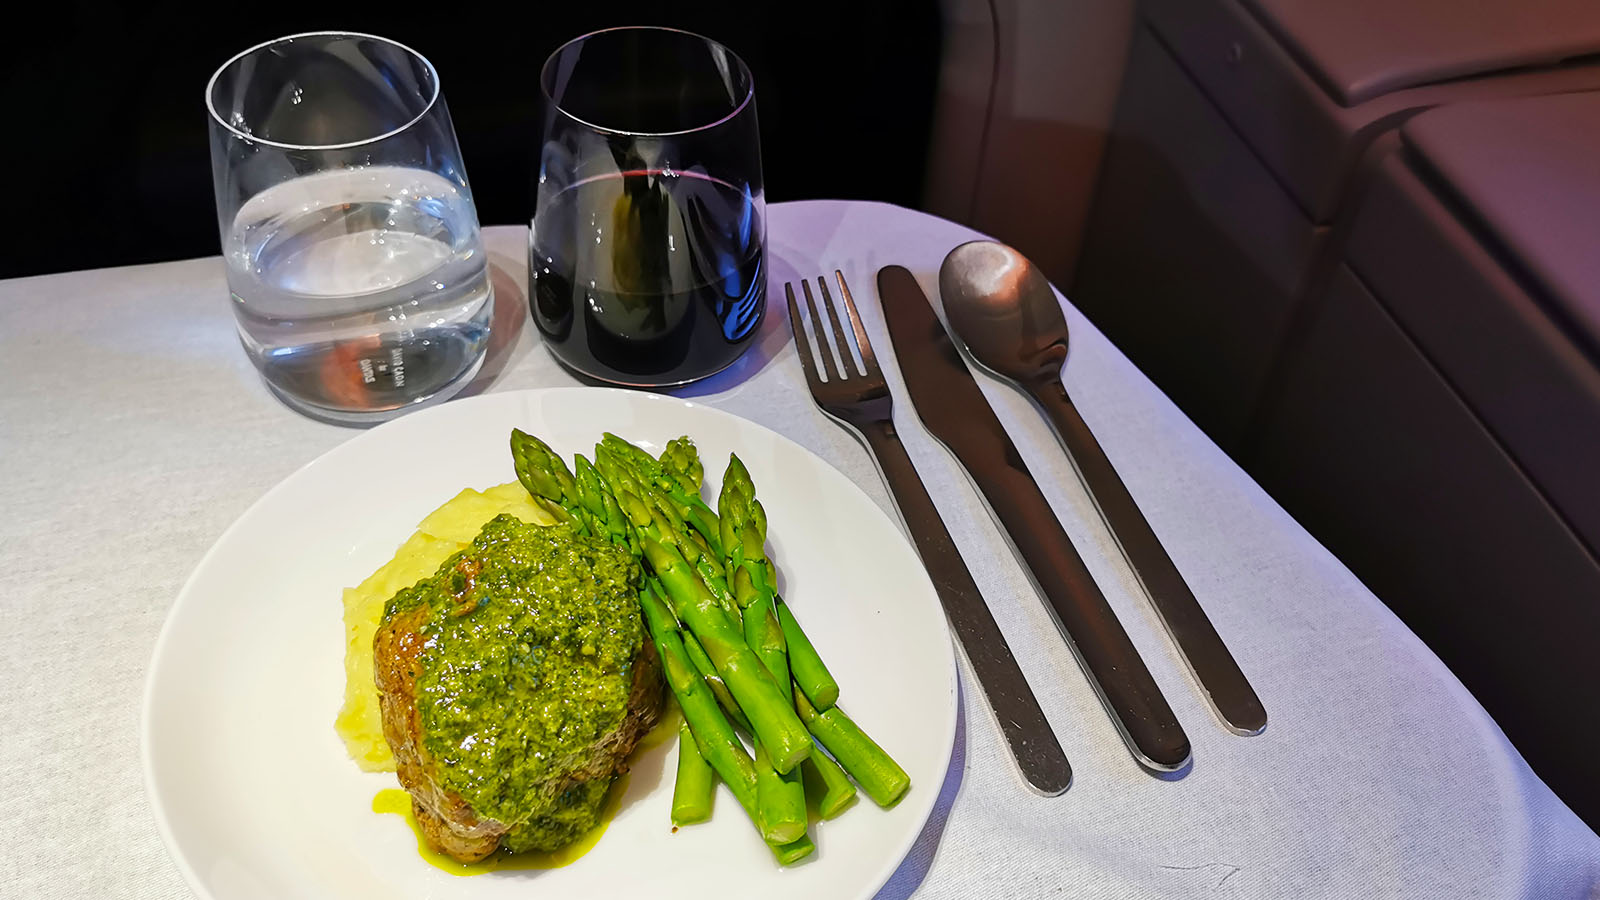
{"x": 1197, "y": 640}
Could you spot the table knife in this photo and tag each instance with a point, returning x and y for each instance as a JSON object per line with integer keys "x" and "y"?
{"x": 954, "y": 410}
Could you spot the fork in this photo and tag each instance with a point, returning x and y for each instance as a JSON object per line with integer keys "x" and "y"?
{"x": 861, "y": 401}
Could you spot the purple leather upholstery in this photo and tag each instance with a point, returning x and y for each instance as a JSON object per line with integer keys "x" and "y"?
{"x": 1361, "y": 49}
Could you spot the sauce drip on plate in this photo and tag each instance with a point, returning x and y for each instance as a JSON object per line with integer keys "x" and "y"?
{"x": 398, "y": 802}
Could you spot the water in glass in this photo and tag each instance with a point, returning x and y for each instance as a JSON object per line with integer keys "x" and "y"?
{"x": 360, "y": 288}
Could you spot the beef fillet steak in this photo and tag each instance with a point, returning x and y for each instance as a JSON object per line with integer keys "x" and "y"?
{"x": 513, "y": 684}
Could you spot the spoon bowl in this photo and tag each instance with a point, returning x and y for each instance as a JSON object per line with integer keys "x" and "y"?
{"x": 1002, "y": 307}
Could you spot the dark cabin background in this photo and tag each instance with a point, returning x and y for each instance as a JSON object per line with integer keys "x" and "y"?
{"x": 104, "y": 141}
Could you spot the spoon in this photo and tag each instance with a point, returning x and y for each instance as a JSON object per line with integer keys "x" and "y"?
{"x": 1004, "y": 310}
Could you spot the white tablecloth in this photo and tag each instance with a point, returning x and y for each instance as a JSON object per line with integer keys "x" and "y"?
{"x": 133, "y": 431}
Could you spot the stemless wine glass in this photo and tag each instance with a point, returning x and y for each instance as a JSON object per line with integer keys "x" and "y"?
{"x": 645, "y": 255}
{"x": 351, "y": 241}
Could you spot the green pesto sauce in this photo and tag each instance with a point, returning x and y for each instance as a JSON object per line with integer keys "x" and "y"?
{"x": 527, "y": 663}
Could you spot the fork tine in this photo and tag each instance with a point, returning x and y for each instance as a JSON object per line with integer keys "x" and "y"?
{"x": 820, "y": 335}
{"x": 868, "y": 358}
{"x": 801, "y": 342}
{"x": 846, "y": 358}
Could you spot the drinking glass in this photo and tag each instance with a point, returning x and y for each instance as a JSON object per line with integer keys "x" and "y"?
{"x": 646, "y": 249}
{"x": 349, "y": 234}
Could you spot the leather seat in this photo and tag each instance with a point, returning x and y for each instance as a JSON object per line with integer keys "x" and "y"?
{"x": 1437, "y": 423}
{"x": 1239, "y": 127}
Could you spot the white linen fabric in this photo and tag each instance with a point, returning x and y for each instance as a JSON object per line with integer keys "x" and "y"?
{"x": 133, "y": 430}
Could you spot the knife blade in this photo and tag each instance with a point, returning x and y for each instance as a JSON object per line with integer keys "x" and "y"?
{"x": 954, "y": 410}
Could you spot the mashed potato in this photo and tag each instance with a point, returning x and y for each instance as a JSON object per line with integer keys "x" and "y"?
{"x": 445, "y": 531}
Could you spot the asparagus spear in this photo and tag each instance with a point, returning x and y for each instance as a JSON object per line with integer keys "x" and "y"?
{"x": 712, "y": 734}
{"x": 753, "y": 587}
{"x": 541, "y": 470}
{"x": 771, "y": 716}
{"x": 681, "y": 459}
{"x": 546, "y": 478}
{"x": 716, "y": 585}
{"x": 715, "y": 738}
{"x": 650, "y": 514}
{"x": 593, "y": 496}
{"x": 648, "y": 466}
{"x": 877, "y": 773}
{"x": 780, "y": 797}
{"x": 678, "y": 484}
{"x": 643, "y": 502}
{"x": 712, "y": 572}
{"x": 834, "y": 790}
{"x": 626, "y": 466}
{"x": 744, "y": 539}
{"x": 744, "y": 531}
{"x": 702, "y": 664}
{"x": 811, "y": 675}
{"x": 696, "y": 781}
{"x": 780, "y": 801}
{"x": 765, "y": 637}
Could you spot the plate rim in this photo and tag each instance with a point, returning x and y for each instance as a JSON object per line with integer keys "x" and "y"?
{"x": 183, "y": 598}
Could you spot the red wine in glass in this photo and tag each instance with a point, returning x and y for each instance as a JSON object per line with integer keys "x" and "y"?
{"x": 646, "y": 259}
{"x": 648, "y": 276}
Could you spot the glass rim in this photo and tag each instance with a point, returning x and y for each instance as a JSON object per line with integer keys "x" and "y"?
{"x": 281, "y": 145}
{"x": 744, "y": 68}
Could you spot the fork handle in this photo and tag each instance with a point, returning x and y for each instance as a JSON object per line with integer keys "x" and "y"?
{"x": 1033, "y": 744}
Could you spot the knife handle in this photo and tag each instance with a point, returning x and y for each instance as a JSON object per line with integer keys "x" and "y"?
{"x": 1119, "y": 675}
{"x": 1033, "y": 744}
{"x": 1213, "y": 667}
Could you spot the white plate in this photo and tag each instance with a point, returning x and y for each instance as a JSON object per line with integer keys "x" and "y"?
{"x": 252, "y": 789}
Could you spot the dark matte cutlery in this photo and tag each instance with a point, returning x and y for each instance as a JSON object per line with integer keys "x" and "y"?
{"x": 953, "y": 408}
{"x": 861, "y": 400}
{"x": 1004, "y": 310}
